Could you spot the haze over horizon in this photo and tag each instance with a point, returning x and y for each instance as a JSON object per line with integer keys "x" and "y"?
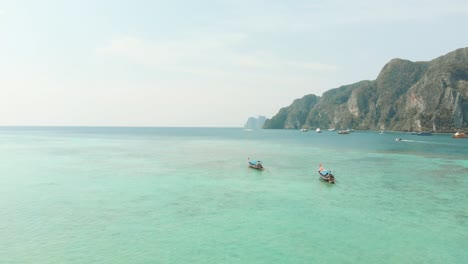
{"x": 201, "y": 64}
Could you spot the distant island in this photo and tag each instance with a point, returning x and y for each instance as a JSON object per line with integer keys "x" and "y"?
{"x": 255, "y": 123}
{"x": 406, "y": 96}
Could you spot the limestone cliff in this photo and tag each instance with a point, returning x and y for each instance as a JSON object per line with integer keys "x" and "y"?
{"x": 293, "y": 116}
{"x": 406, "y": 96}
{"x": 255, "y": 123}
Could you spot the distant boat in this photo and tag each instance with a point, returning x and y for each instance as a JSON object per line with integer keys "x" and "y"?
{"x": 397, "y": 139}
{"x": 331, "y": 129}
{"x": 343, "y": 132}
{"x": 318, "y": 130}
{"x": 326, "y": 175}
{"x": 304, "y": 130}
{"x": 255, "y": 164}
{"x": 381, "y": 132}
{"x": 421, "y": 133}
{"x": 460, "y": 135}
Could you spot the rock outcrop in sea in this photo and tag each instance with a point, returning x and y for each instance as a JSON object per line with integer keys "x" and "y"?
{"x": 406, "y": 96}
{"x": 255, "y": 123}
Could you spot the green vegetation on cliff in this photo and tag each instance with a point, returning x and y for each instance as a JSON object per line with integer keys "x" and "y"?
{"x": 293, "y": 116}
{"x": 406, "y": 96}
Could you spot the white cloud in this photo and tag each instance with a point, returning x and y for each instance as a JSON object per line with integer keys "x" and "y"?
{"x": 217, "y": 71}
{"x": 309, "y": 17}
{"x": 141, "y": 51}
{"x": 203, "y": 54}
{"x": 270, "y": 62}
{"x": 377, "y": 11}
{"x": 168, "y": 53}
{"x": 314, "y": 66}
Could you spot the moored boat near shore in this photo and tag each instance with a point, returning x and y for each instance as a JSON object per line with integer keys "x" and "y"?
{"x": 421, "y": 133}
{"x": 460, "y": 135}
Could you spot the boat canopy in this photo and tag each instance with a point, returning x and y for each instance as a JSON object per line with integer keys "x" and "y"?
{"x": 255, "y": 162}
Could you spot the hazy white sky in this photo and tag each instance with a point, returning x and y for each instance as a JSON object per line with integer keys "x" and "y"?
{"x": 202, "y": 63}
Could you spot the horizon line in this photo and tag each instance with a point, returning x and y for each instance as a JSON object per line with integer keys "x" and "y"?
{"x": 115, "y": 126}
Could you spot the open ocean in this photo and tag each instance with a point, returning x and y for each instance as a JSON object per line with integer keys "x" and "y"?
{"x": 185, "y": 195}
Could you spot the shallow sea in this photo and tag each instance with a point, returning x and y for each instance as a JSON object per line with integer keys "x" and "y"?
{"x": 185, "y": 195}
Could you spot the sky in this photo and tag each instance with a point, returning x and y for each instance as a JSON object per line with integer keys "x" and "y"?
{"x": 202, "y": 63}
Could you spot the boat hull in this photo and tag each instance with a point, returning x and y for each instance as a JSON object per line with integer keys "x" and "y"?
{"x": 460, "y": 135}
{"x": 327, "y": 178}
{"x": 255, "y": 166}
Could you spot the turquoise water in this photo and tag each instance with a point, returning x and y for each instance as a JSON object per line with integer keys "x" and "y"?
{"x": 185, "y": 195}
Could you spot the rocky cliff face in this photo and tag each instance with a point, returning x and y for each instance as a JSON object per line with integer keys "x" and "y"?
{"x": 255, "y": 123}
{"x": 293, "y": 116}
{"x": 406, "y": 96}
